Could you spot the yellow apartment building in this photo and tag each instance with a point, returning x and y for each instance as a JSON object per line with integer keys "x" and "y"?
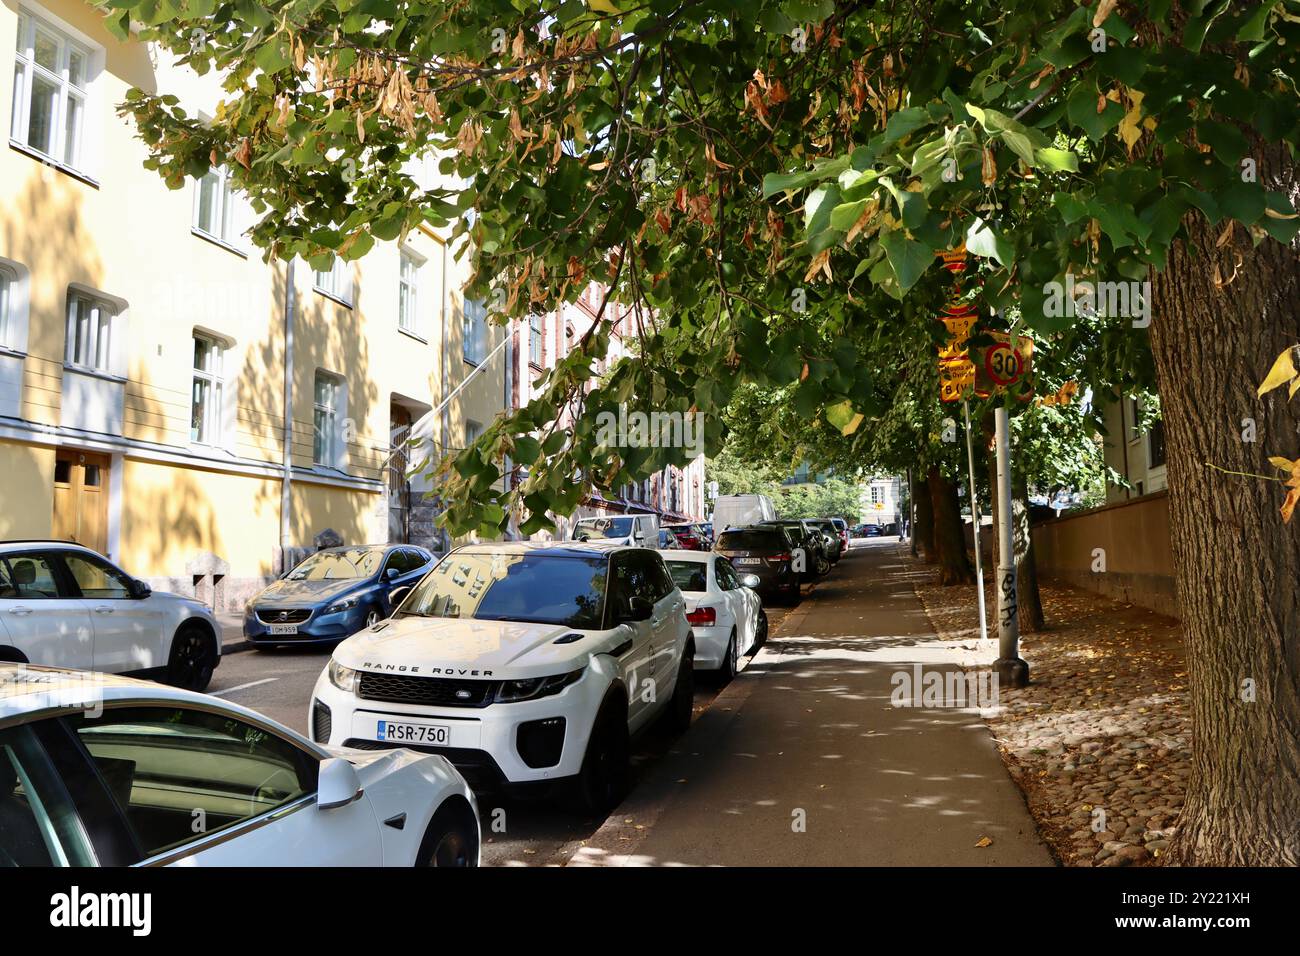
{"x": 145, "y": 352}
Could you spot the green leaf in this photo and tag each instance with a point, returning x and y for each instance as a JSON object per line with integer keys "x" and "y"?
{"x": 985, "y": 241}
{"x": 774, "y": 183}
{"x": 1058, "y": 160}
{"x": 908, "y": 259}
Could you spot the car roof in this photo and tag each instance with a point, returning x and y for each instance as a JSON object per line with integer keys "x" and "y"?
{"x": 683, "y": 554}
{"x": 559, "y": 549}
{"x": 30, "y": 688}
{"x": 25, "y": 543}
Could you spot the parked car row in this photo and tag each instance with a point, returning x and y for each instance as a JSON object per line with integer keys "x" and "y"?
{"x": 505, "y": 666}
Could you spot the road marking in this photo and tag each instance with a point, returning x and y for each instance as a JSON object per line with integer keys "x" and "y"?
{"x": 231, "y": 690}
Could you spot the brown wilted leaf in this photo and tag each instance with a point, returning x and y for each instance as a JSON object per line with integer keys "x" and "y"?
{"x": 984, "y": 842}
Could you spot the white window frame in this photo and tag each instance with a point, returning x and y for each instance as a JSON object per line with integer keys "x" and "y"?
{"x": 337, "y": 283}
{"x": 328, "y": 449}
{"x": 410, "y": 269}
{"x": 474, "y": 331}
{"x": 26, "y": 69}
{"x": 229, "y": 214}
{"x": 472, "y": 430}
{"x": 98, "y": 353}
{"x": 536, "y": 340}
{"x": 8, "y": 305}
{"x": 212, "y": 431}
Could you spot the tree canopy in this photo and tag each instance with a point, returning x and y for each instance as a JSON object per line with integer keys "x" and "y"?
{"x": 768, "y": 181}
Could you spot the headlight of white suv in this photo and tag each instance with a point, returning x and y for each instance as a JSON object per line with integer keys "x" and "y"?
{"x": 532, "y": 688}
{"x": 344, "y": 678}
{"x": 341, "y": 605}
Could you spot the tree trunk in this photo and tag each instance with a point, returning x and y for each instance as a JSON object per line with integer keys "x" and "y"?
{"x": 1030, "y": 601}
{"x": 1237, "y": 565}
{"x": 924, "y": 533}
{"x": 949, "y": 536}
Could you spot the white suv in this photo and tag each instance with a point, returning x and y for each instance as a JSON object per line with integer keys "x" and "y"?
{"x": 63, "y": 605}
{"x": 522, "y": 663}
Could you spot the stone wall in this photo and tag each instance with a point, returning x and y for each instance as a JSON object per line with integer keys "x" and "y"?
{"x": 1119, "y": 550}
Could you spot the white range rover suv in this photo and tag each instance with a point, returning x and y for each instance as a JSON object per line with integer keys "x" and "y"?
{"x": 522, "y": 663}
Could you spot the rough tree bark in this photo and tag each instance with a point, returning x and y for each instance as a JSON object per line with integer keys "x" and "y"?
{"x": 924, "y": 533}
{"x": 954, "y": 565}
{"x": 1237, "y": 565}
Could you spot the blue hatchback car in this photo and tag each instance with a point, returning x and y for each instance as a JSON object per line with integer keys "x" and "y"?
{"x": 334, "y": 593}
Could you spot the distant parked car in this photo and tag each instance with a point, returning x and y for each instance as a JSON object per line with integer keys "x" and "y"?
{"x": 813, "y": 542}
{"x": 668, "y": 539}
{"x": 835, "y": 545}
{"x": 874, "y": 531}
{"x": 334, "y": 593}
{"x": 689, "y": 536}
{"x": 766, "y": 552}
{"x": 723, "y": 609}
{"x": 741, "y": 511}
{"x": 635, "y": 530}
{"x": 842, "y": 530}
{"x": 64, "y": 605}
{"x": 118, "y": 772}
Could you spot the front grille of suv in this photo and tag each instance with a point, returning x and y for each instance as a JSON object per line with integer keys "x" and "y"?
{"x": 429, "y": 691}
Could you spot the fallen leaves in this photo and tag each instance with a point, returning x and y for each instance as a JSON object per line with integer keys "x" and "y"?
{"x": 984, "y": 842}
{"x": 1283, "y": 371}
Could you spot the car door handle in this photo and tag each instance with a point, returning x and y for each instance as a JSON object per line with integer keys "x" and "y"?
{"x": 20, "y": 611}
{"x": 103, "y": 609}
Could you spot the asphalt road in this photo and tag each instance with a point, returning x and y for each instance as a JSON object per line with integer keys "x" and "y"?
{"x": 516, "y": 832}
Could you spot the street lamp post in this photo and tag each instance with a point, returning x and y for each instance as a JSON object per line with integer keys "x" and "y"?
{"x": 1011, "y": 670}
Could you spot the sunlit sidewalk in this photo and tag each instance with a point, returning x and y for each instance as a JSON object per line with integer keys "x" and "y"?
{"x": 824, "y": 752}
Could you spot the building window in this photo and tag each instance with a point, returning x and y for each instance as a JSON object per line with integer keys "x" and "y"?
{"x": 51, "y": 75}
{"x": 1156, "y": 444}
{"x": 8, "y": 289}
{"x": 408, "y": 293}
{"x": 217, "y": 207}
{"x": 535, "y": 340}
{"x": 326, "y": 418}
{"x": 472, "y": 430}
{"x": 336, "y": 281}
{"x": 475, "y": 331}
{"x": 207, "y": 399}
{"x": 90, "y": 325}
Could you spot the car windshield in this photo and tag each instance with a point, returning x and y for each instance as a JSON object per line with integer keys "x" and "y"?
{"x": 337, "y": 565}
{"x": 751, "y": 539}
{"x": 596, "y": 528}
{"x": 689, "y": 575}
{"x": 567, "y": 590}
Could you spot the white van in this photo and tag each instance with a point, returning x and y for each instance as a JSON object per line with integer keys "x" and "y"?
{"x": 640, "y": 531}
{"x": 741, "y": 511}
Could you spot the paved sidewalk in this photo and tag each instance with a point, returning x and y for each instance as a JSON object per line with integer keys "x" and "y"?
{"x": 807, "y": 731}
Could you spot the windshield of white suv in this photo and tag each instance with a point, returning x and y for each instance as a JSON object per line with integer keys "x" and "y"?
{"x": 593, "y": 529}
{"x": 567, "y": 590}
{"x": 334, "y": 565}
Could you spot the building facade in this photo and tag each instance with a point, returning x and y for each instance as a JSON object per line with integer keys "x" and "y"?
{"x": 881, "y": 502}
{"x": 146, "y": 351}
{"x": 674, "y": 494}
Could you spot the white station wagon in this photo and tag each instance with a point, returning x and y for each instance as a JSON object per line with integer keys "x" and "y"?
{"x": 98, "y": 770}
{"x": 63, "y": 605}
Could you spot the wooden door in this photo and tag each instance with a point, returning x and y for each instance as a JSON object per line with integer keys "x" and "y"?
{"x": 81, "y": 498}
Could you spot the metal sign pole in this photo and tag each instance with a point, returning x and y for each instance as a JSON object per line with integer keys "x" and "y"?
{"x": 975, "y": 525}
{"x": 1011, "y": 670}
